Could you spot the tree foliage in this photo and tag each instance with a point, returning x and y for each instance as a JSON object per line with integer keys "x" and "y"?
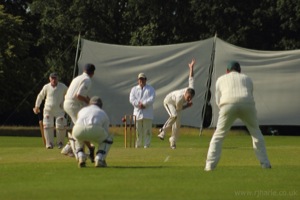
{"x": 17, "y": 65}
{"x": 40, "y": 36}
{"x": 289, "y": 14}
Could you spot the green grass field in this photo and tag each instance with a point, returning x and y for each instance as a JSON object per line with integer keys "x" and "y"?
{"x": 29, "y": 171}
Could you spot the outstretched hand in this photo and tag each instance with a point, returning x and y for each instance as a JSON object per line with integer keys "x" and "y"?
{"x": 191, "y": 65}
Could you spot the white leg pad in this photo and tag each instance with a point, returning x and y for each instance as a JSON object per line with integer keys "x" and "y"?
{"x": 72, "y": 144}
{"x": 60, "y": 135}
{"x": 60, "y": 129}
{"x": 49, "y": 136}
{"x": 104, "y": 148}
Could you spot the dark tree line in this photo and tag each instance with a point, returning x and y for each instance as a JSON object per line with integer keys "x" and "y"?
{"x": 39, "y": 36}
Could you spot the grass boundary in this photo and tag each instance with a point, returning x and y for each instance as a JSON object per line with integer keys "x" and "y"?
{"x": 32, "y": 131}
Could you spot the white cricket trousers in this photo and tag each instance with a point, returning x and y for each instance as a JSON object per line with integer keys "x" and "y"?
{"x": 227, "y": 115}
{"x": 174, "y": 120}
{"x": 72, "y": 108}
{"x": 143, "y": 131}
{"x": 92, "y": 133}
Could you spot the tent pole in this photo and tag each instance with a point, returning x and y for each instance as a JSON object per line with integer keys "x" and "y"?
{"x": 76, "y": 57}
{"x": 74, "y": 71}
{"x": 208, "y": 82}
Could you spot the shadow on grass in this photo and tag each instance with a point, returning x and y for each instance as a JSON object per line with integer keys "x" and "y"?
{"x": 230, "y": 147}
{"x": 124, "y": 167}
{"x": 136, "y": 167}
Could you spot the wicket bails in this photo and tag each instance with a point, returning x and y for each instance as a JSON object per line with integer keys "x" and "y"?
{"x": 129, "y": 121}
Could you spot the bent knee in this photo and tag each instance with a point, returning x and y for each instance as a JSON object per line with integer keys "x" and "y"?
{"x": 173, "y": 117}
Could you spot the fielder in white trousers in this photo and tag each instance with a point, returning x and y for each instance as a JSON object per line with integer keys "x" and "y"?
{"x": 234, "y": 96}
{"x": 173, "y": 121}
{"x": 92, "y": 125}
{"x": 175, "y": 102}
{"x": 95, "y": 134}
{"x": 227, "y": 115}
{"x": 75, "y": 99}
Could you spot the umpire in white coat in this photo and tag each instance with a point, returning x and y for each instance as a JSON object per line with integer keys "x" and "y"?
{"x": 142, "y": 97}
{"x": 234, "y": 97}
{"x": 92, "y": 125}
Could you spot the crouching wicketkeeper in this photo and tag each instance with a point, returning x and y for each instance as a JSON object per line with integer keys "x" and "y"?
{"x": 92, "y": 125}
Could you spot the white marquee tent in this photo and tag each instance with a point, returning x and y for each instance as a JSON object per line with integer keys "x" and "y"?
{"x": 276, "y": 77}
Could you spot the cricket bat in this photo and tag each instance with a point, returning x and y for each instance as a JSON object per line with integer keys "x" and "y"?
{"x": 40, "y": 116}
{"x": 42, "y": 127}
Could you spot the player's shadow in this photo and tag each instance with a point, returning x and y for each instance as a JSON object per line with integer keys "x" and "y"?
{"x": 135, "y": 167}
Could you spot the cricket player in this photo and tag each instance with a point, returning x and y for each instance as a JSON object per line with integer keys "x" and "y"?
{"x": 92, "y": 125}
{"x": 75, "y": 99}
{"x": 54, "y": 93}
{"x": 234, "y": 97}
{"x": 174, "y": 103}
{"x": 142, "y": 97}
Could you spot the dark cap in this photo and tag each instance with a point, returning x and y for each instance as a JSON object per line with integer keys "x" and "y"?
{"x": 234, "y": 66}
{"x": 53, "y": 75}
{"x": 89, "y": 68}
{"x": 96, "y": 101}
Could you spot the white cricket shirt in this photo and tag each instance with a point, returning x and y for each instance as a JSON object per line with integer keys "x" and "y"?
{"x": 54, "y": 96}
{"x": 176, "y": 97}
{"x": 234, "y": 87}
{"x": 79, "y": 86}
{"x": 93, "y": 115}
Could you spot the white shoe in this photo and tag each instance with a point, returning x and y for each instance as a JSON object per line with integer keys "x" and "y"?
{"x": 161, "y": 134}
{"x": 173, "y": 145}
{"x": 50, "y": 146}
{"x": 60, "y": 145}
{"x": 266, "y": 166}
{"x": 70, "y": 154}
{"x": 66, "y": 150}
{"x": 207, "y": 169}
{"x": 100, "y": 163}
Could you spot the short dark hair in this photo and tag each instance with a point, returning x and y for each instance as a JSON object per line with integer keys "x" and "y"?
{"x": 89, "y": 68}
{"x": 191, "y": 91}
{"x": 53, "y": 75}
{"x": 234, "y": 66}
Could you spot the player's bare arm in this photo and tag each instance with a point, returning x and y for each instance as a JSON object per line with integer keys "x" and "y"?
{"x": 187, "y": 105}
{"x": 191, "y": 66}
{"x": 82, "y": 98}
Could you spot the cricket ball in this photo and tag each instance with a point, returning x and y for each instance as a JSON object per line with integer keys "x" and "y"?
{"x": 123, "y": 119}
